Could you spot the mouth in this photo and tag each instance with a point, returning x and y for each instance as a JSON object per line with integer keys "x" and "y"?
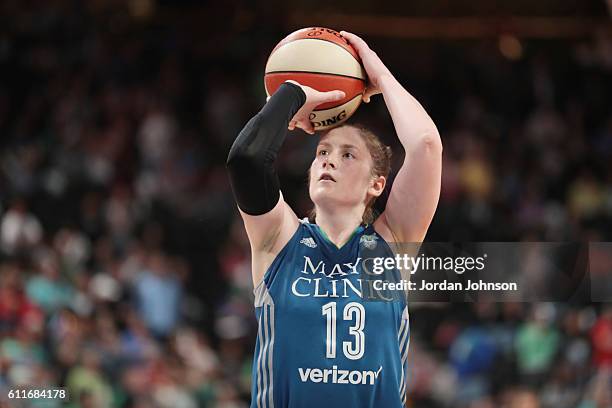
{"x": 326, "y": 177}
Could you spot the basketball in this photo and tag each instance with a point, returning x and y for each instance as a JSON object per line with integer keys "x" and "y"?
{"x": 321, "y": 59}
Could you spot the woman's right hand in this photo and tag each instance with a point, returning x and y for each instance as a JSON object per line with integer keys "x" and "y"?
{"x": 314, "y": 98}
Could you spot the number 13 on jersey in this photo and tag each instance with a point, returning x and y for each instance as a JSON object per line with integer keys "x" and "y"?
{"x": 353, "y": 312}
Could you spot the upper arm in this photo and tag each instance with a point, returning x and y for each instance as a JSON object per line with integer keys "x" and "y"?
{"x": 415, "y": 193}
{"x": 268, "y": 234}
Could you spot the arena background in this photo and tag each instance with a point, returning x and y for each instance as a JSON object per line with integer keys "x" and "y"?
{"x": 125, "y": 272}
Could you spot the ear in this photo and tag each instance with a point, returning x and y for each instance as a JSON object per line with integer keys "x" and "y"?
{"x": 377, "y": 186}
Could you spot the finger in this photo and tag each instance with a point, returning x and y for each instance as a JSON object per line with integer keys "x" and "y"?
{"x": 355, "y": 40}
{"x": 332, "y": 96}
{"x": 369, "y": 92}
{"x": 350, "y": 36}
{"x": 292, "y": 125}
{"x": 307, "y": 127}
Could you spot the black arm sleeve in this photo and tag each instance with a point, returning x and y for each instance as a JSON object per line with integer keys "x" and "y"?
{"x": 251, "y": 160}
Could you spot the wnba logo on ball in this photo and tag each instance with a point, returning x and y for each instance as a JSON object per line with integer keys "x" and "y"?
{"x": 318, "y": 31}
{"x": 329, "y": 121}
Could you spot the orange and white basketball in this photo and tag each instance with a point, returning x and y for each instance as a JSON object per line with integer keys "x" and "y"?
{"x": 321, "y": 59}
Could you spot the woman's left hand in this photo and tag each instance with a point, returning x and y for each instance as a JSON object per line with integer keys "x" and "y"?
{"x": 374, "y": 67}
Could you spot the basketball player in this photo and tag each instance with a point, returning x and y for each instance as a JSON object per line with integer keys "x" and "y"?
{"x": 319, "y": 342}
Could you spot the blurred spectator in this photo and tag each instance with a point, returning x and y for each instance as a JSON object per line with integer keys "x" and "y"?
{"x": 86, "y": 380}
{"x": 19, "y": 229}
{"x": 16, "y": 309}
{"x": 537, "y": 343}
{"x": 47, "y": 288}
{"x": 601, "y": 337}
{"x": 472, "y": 355}
{"x": 158, "y": 294}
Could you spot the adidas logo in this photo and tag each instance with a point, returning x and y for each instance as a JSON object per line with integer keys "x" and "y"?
{"x": 309, "y": 242}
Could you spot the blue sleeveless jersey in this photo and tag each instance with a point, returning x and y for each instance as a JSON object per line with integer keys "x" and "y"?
{"x": 321, "y": 340}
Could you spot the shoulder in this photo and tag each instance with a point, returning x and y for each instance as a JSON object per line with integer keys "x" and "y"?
{"x": 394, "y": 233}
{"x": 381, "y": 226}
{"x": 263, "y": 260}
{"x": 397, "y": 245}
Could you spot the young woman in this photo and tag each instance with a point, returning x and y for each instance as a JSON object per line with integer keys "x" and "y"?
{"x": 320, "y": 342}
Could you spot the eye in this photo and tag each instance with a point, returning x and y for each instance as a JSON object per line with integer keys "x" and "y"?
{"x": 322, "y": 152}
{"x": 348, "y": 155}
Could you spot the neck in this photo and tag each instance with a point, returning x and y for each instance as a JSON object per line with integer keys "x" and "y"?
{"x": 339, "y": 224}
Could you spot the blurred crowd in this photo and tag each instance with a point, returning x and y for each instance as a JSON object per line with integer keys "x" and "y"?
{"x": 125, "y": 270}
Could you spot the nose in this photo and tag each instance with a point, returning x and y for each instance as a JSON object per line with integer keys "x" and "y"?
{"x": 328, "y": 163}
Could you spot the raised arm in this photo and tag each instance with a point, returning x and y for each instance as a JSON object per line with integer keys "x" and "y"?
{"x": 268, "y": 220}
{"x": 416, "y": 189}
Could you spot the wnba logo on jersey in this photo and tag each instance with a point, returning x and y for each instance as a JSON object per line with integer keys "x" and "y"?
{"x": 317, "y": 375}
{"x": 369, "y": 241}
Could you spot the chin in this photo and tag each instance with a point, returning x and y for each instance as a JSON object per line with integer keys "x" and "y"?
{"x": 333, "y": 199}
{"x": 321, "y": 196}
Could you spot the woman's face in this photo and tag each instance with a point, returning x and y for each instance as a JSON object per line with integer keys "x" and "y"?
{"x": 341, "y": 174}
